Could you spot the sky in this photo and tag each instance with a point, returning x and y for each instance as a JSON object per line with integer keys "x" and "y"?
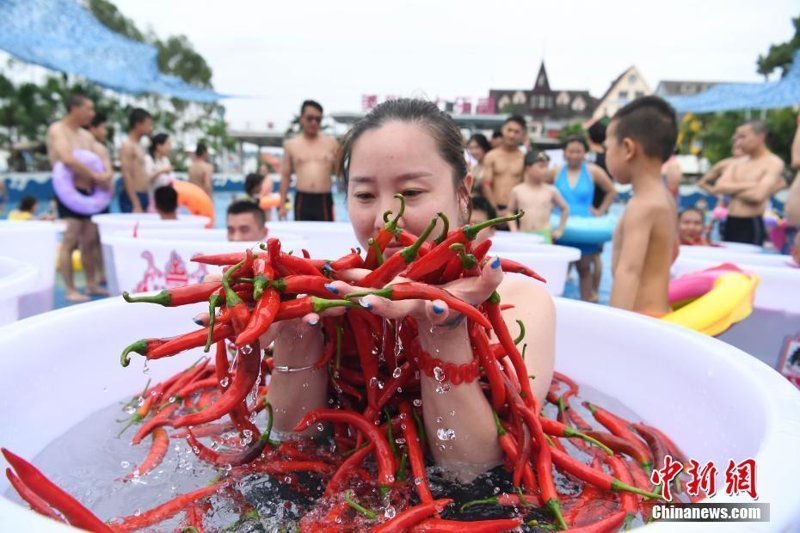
{"x": 280, "y": 53}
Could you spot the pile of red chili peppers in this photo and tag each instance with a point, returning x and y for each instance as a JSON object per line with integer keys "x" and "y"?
{"x": 378, "y": 456}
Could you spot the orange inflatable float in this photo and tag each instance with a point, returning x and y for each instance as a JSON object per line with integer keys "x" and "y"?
{"x": 195, "y": 200}
{"x": 268, "y": 201}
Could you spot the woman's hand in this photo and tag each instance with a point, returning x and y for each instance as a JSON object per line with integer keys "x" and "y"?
{"x": 430, "y": 313}
{"x": 596, "y": 212}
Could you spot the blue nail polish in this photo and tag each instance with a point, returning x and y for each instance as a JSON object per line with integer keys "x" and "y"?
{"x": 331, "y": 288}
{"x": 496, "y": 262}
{"x": 365, "y": 304}
{"x": 197, "y": 321}
{"x": 438, "y": 309}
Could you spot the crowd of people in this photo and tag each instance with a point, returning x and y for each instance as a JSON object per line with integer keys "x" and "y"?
{"x": 507, "y": 174}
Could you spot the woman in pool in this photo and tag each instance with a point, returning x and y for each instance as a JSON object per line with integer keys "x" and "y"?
{"x": 691, "y": 227}
{"x": 410, "y": 147}
{"x": 478, "y": 146}
{"x": 576, "y": 181}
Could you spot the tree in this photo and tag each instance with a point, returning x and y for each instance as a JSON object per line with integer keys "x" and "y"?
{"x": 780, "y": 55}
{"x": 571, "y": 129}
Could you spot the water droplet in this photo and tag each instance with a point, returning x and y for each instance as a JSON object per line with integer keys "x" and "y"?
{"x": 399, "y": 389}
{"x": 224, "y": 381}
{"x": 496, "y": 490}
{"x": 124, "y": 464}
{"x": 397, "y": 372}
{"x": 443, "y": 388}
{"x": 247, "y": 349}
{"x": 453, "y": 412}
{"x": 105, "y": 389}
{"x": 305, "y": 384}
{"x": 445, "y": 434}
{"x": 417, "y": 402}
{"x": 195, "y": 449}
{"x": 417, "y": 481}
{"x": 439, "y": 419}
{"x": 320, "y": 427}
{"x": 438, "y": 374}
{"x": 400, "y": 441}
{"x": 172, "y": 399}
{"x": 137, "y": 512}
{"x": 390, "y": 512}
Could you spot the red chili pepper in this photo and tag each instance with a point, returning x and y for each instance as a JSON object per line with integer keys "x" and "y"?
{"x": 396, "y": 263}
{"x": 247, "y": 455}
{"x": 557, "y": 429}
{"x": 165, "y": 510}
{"x": 383, "y": 452}
{"x": 628, "y": 500}
{"x": 598, "y": 478}
{"x": 509, "y": 265}
{"x": 365, "y": 345}
{"x": 501, "y": 330}
{"x": 302, "y": 284}
{"x": 507, "y": 499}
{"x": 351, "y": 260}
{"x": 390, "y": 390}
{"x": 346, "y": 468}
{"x": 288, "y": 467}
{"x": 385, "y": 235}
{"x": 412, "y": 290}
{"x": 413, "y": 516}
{"x": 158, "y": 450}
{"x": 509, "y": 447}
{"x": 300, "y": 307}
{"x": 238, "y": 309}
{"x": 262, "y": 318}
{"x": 187, "y": 377}
{"x": 480, "y": 343}
{"x": 619, "y": 427}
{"x": 415, "y": 454}
{"x": 672, "y": 448}
{"x": 160, "y": 419}
{"x": 438, "y": 525}
{"x": 224, "y": 259}
{"x": 606, "y": 525}
{"x": 31, "y": 498}
{"x": 244, "y": 379}
{"x": 619, "y": 445}
{"x": 438, "y": 257}
{"x": 158, "y": 348}
{"x": 75, "y": 513}
{"x": 287, "y": 264}
{"x": 178, "y": 296}
{"x": 195, "y": 386}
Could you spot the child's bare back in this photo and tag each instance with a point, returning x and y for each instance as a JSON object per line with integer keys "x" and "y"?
{"x": 643, "y": 251}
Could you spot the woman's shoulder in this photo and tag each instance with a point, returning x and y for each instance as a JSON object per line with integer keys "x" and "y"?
{"x": 526, "y": 295}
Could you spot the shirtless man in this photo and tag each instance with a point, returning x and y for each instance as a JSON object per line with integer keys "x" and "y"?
{"x": 63, "y": 137}
{"x": 134, "y": 197}
{"x": 715, "y": 172}
{"x": 503, "y": 166}
{"x": 750, "y": 181}
{"x": 99, "y": 130}
{"x": 201, "y": 171}
{"x": 792, "y": 207}
{"x": 312, "y": 157}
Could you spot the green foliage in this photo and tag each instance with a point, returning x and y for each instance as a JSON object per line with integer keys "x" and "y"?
{"x": 716, "y": 132}
{"x": 780, "y": 55}
{"x": 571, "y": 129}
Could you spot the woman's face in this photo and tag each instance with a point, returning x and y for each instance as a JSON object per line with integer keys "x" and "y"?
{"x": 476, "y": 151}
{"x": 166, "y": 148}
{"x": 574, "y": 153}
{"x": 690, "y": 226}
{"x": 400, "y": 157}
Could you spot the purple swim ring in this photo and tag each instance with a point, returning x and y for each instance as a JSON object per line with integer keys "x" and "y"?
{"x": 64, "y": 185}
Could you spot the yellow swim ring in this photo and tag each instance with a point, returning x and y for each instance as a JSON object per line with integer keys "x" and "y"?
{"x": 729, "y": 300}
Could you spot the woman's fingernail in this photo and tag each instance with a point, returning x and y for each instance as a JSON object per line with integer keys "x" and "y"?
{"x": 496, "y": 262}
{"x": 313, "y": 322}
{"x": 365, "y": 304}
{"x": 198, "y": 319}
{"x": 331, "y": 288}
{"x": 438, "y": 309}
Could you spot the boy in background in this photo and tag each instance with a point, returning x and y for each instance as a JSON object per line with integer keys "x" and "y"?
{"x": 537, "y": 197}
{"x": 166, "y": 200}
{"x": 641, "y": 137}
{"x": 691, "y": 227}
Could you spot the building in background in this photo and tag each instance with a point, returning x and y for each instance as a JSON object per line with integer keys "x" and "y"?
{"x": 549, "y": 109}
{"x": 627, "y": 87}
{"x": 668, "y": 88}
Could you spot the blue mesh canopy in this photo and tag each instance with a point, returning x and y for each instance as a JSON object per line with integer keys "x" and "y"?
{"x": 732, "y": 96}
{"x": 62, "y": 35}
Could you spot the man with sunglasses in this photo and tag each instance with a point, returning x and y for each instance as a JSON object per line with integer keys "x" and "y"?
{"x": 311, "y": 156}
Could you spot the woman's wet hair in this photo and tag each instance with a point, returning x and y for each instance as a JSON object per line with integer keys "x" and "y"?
{"x": 481, "y": 140}
{"x": 576, "y": 139}
{"x": 445, "y": 133}
{"x": 157, "y": 140}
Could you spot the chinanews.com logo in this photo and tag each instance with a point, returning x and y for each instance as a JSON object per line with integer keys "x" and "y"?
{"x": 740, "y": 479}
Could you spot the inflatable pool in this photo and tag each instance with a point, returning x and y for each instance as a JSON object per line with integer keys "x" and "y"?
{"x": 33, "y": 242}
{"x": 109, "y": 223}
{"x": 162, "y": 261}
{"x": 731, "y": 406}
{"x": 722, "y": 249}
{"x": 712, "y": 300}
{"x": 17, "y": 278}
{"x": 551, "y": 261}
{"x": 586, "y": 230}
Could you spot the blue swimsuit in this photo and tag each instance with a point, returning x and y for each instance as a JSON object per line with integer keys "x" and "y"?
{"x": 579, "y": 199}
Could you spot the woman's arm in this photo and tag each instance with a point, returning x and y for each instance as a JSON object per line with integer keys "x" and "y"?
{"x": 602, "y": 180}
{"x": 559, "y": 202}
{"x": 513, "y": 205}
